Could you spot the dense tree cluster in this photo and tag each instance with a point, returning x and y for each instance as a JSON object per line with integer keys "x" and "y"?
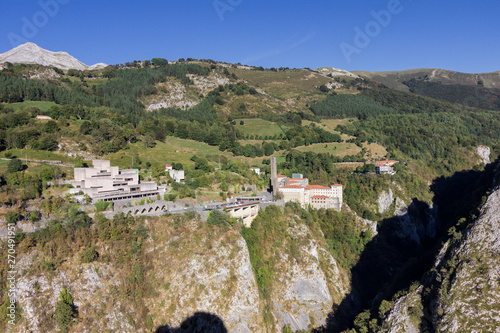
{"x": 468, "y": 95}
{"x": 433, "y": 139}
{"x": 306, "y": 135}
{"x": 405, "y": 102}
{"x": 345, "y": 106}
{"x": 17, "y": 89}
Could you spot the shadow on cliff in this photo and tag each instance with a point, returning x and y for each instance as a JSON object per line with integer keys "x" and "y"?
{"x": 395, "y": 258}
{"x": 197, "y": 323}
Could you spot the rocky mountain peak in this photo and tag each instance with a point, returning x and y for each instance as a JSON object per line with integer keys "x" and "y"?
{"x": 30, "y": 53}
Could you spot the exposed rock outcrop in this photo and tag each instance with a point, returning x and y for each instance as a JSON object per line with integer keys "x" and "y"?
{"x": 416, "y": 221}
{"x": 471, "y": 303}
{"x": 484, "y": 153}
{"x": 384, "y": 201}
{"x": 193, "y": 269}
{"x": 462, "y": 290}
{"x": 174, "y": 94}
{"x": 404, "y": 315}
{"x": 304, "y": 289}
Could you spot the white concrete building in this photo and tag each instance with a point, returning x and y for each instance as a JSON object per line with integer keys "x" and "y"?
{"x": 384, "y": 167}
{"x": 104, "y": 182}
{"x": 176, "y": 175}
{"x": 256, "y": 170}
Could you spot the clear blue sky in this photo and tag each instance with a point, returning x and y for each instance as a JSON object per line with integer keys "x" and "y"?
{"x": 451, "y": 34}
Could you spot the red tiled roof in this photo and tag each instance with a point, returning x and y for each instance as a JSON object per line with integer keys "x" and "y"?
{"x": 293, "y": 182}
{"x": 385, "y": 162}
{"x": 308, "y": 187}
{"x": 291, "y": 186}
{"x": 167, "y": 165}
{"x": 319, "y": 196}
{"x": 280, "y": 176}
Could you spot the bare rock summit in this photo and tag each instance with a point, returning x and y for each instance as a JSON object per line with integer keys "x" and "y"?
{"x": 30, "y": 53}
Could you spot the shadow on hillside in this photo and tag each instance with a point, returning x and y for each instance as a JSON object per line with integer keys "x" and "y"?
{"x": 390, "y": 262}
{"x": 197, "y": 323}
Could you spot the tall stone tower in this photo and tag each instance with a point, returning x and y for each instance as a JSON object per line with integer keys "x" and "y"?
{"x": 274, "y": 176}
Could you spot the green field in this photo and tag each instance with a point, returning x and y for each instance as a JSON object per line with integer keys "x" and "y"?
{"x": 176, "y": 150}
{"x": 39, "y": 155}
{"x": 43, "y": 106}
{"x": 336, "y": 149}
{"x": 172, "y": 150}
{"x": 3, "y": 165}
{"x": 259, "y": 127}
{"x": 329, "y": 124}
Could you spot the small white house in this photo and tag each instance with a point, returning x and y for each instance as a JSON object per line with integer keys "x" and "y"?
{"x": 256, "y": 170}
{"x": 168, "y": 167}
{"x": 177, "y": 175}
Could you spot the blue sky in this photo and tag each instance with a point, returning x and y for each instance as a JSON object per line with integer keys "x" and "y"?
{"x": 451, "y": 34}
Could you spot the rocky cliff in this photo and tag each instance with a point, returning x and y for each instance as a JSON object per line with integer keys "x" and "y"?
{"x": 183, "y": 269}
{"x": 461, "y": 292}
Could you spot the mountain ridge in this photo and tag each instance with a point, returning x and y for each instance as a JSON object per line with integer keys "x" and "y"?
{"x": 30, "y": 53}
{"x": 394, "y": 79}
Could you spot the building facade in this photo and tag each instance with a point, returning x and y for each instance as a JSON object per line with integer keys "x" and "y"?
{"x": 176, "y": 175}
{"x": 316, "y": 196}
{"x": 385, "y": 167}
{"x": 255, "y": 169}
{"x": 109, "y": 183}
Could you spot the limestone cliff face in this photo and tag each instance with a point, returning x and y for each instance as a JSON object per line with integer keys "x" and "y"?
{"x": 461, "y": 292}
{"x": 214, "y": 276}
{"x": 384, "y": 201}
{"x": 415, "y": 221}
{"x": 191, "y": 268}
{"x": 305, "y": 288}
{"x": 472, "y": 301}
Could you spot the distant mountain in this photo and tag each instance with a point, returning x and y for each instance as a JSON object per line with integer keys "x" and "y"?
{"x": 479, "y": 90}
{"x": 395, "y": 79}
{"x": 30, "y": 53}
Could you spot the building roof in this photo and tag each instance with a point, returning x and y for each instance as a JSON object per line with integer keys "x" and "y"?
{"x": 293, "y": 182}
{"x": 309, "y": 187}
{"x": 320, "y": 196}
{"x": 42, "y": 117}
{"x": 292, "y": 186}
{"x": 280, "y": 176}
{"x": 386, "y": 162}
{"x": 167, "y": 165}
